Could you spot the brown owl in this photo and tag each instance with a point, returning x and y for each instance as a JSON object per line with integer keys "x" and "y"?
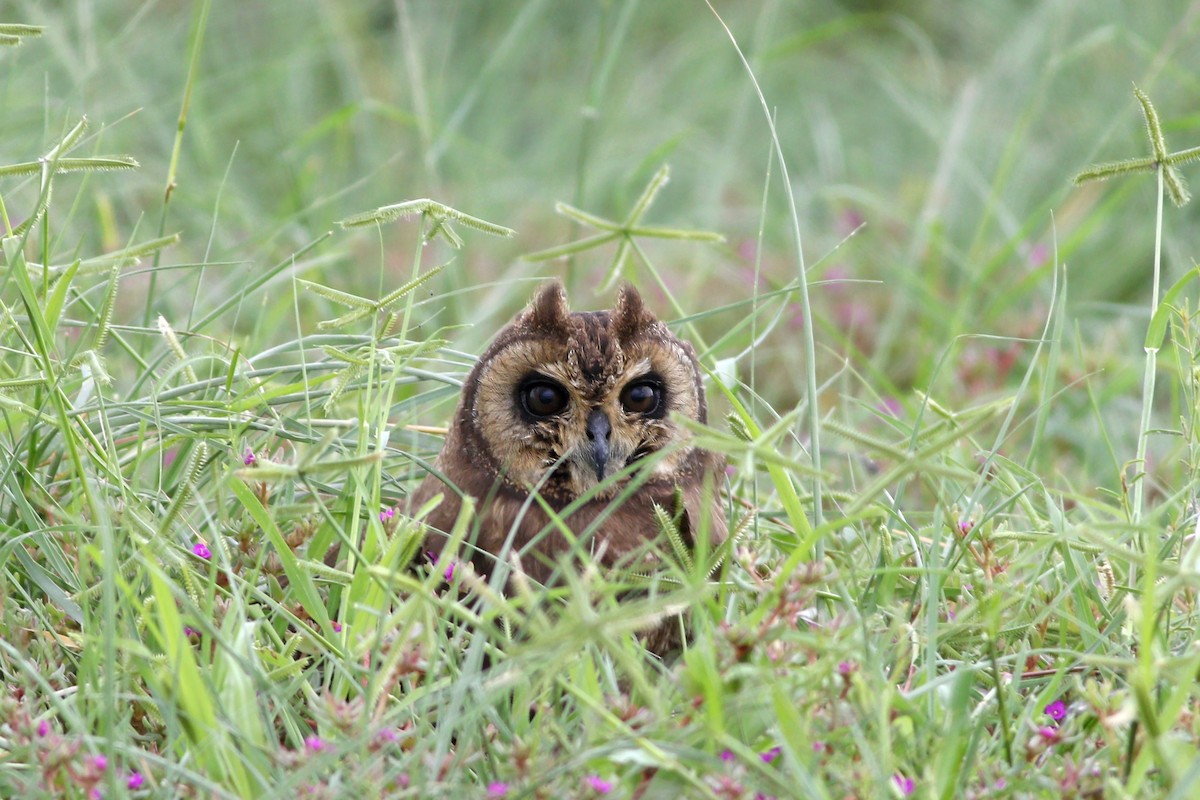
{"x": 563, "y": 404}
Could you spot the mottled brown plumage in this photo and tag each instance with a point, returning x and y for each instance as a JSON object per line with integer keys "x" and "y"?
{"x": 562, "y": 401}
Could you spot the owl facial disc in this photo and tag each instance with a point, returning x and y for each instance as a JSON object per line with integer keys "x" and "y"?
{"x": 565, "y": 400}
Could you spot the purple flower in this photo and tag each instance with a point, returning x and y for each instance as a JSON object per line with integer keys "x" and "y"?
{"x": 387, "y": 514}
{"x": 891, "y": 406}
{"x": 43, "y": 728}
{"x": 201, "y": 549}
{"x": 135, "y": 780}
{"x": 849, "y": 221}
{"x": 598, "y": 784}
{"x": 1038, "y": 254}
{"x": 1056, "y": 710}
{"x": 99, "y": 763}
{"x": 497, "y": 789}
{"x": 337, "y": 627}
{"x": 771, "y": 755}
{"x": 450, "y": 571}
{"x": 905, "y": 785}
{"x": 191, "y": 632}
{"x": 727, "y": 755}
{"x": 315, "y": 744}
{"x": 844, "y": 668}
{"x": 1050, "y": 736}
{"x": 249, "y": 459}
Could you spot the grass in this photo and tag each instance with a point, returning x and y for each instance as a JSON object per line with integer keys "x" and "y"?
{"x": 982, "y": 583}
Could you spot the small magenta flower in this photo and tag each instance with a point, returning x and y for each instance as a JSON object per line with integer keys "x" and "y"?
{"x": 497, "y": 789}
{"x": 1056, "y": 710}
{"x": 99, "y": 763}
{"x": 819, "y": 747}
{"x": 337, "y": 627}
{"x": 135, "y": 780}
{"x": 598, "y": 784}
{"x": 450, "y": 570}
{"x": 771, "y": 755}
{"x": 727, "y": 755}
{"x": 249, "y": 459}
{"x": 43, "y": 729}
{"x": 315, "y": 744}
{"x": 1051, "y": 736}
{"x": 849, "y": 221}
{"x": 906, "y": 785}
{"x": 201, "y": 549}
{"x": 387, "y": 515}
{"x": 1038, "y": 254}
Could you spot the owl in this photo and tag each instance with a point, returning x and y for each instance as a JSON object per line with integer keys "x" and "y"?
{"x": 566, "y": 404}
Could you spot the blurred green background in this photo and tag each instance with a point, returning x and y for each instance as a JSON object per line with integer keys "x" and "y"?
{"x": 948, "y": 131}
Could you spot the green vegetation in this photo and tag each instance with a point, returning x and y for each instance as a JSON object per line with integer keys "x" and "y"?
{"x": 970, "y": 536}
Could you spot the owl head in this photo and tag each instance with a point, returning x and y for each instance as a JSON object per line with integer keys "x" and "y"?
{"x": 565, "y": 400}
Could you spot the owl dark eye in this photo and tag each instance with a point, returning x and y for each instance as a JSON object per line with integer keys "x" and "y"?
{"x": 541, "y": 398}
{"x": 642, "y": 397}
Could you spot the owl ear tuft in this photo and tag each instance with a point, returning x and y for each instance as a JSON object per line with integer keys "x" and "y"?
{"x": 630, "y": 316}
{"x": 549, "y": 310}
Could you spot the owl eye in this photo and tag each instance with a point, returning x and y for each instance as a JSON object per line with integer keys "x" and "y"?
{"x": 643, "y": 397}
{"x": 542, "y": 398}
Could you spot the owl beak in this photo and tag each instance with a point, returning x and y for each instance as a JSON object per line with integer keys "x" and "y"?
{"x": 598, "y": 431}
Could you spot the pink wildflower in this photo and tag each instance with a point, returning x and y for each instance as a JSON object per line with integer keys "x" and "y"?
{"x": 598, "y": 784}
{"x": 1056, "y": 710}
